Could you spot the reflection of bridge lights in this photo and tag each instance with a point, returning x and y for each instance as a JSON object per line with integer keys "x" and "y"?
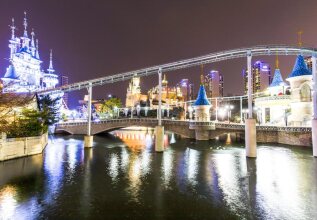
{"x": 8, "y": 203}
{"x": 192, "y": 165}
{"x": 167, "y": 167}
{"x": 114, "y": 166}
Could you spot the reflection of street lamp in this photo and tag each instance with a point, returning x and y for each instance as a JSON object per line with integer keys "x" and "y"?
{"x": 190, "y": 110}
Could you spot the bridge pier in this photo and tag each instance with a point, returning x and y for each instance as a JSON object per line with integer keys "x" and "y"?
{"x": 88, "y": 139}
{"x": 314, "y": 120}
{"x": 159, "y": 130}
{"x": 250, "y": 126}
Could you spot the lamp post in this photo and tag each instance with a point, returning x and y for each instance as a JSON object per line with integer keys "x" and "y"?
{"x": 190, "y": 110}
{"x": 138, "y": 109}
{"x": 126, "y": 110}
{"x": 229, "y": 109}
{"x": 146, "y": 110}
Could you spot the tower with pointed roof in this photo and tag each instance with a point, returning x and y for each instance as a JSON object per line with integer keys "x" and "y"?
{"x": 202, "y": 105}
{"x": 24, "y": 73}
{"x": 300, "y": 80}
{"x": 277, "y": 86}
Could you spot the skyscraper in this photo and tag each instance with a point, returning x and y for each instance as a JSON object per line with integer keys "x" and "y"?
{"x": 261, "y": 77}
{"x": 187, "y": 89}
{"x": 214, "y": 84}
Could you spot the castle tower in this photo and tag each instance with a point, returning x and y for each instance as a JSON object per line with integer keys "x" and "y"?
{"x": 277, "y": 87}
{"x": 202, "y": 106}
{"x": 300, "y": 80}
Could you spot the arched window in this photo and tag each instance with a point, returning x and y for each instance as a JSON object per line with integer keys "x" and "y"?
{"x": 305, "y": 93}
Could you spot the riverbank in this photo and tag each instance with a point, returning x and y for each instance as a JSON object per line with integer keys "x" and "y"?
{"x": 11, "y": 148}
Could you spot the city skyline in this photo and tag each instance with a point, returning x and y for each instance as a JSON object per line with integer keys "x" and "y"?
{"x": 101, "y": 42}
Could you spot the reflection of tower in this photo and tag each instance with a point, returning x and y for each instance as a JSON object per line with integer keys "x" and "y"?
{"x": 261, "y": 76}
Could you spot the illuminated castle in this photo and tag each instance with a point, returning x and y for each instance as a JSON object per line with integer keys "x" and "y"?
{"x": 24, "y": 73}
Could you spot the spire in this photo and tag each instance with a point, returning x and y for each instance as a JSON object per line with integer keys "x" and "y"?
{"x": 300, "y": 43}
{"x": 50, "y": 68}
{"x": 202, "y": 74}
{"x": 37, "y": 54}
{"x": 12, "y": 27}
{"x": 25, "y": 24}
{"x": 276, "y": 62}
{"x": 32, "y": 41}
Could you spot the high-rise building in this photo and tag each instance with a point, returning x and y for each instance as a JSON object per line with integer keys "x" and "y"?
{"x": 24, "y": 73}
{"x": 261, "y": 77}
{"x": 214, "y": 84}
{"x": 64, "y": 81}
{"x": 187, "y": 89}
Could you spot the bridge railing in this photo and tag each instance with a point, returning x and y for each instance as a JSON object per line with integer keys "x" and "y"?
{"x": 231, "y": 126}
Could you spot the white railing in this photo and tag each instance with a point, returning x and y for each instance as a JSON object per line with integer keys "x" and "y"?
{"x": 182, "y": 64}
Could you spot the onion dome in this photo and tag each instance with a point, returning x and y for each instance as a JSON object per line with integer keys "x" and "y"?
{"x": 202, "y": 97}
{"x": 300, "y": 68}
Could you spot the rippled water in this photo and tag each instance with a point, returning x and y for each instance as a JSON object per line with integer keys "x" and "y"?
{"x": 122, "y": 177}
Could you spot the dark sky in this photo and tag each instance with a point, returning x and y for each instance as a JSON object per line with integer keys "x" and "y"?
{"x": 98, "y": 37}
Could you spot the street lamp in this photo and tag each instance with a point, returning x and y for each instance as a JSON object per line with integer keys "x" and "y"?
{"x": 229, "y": 109}
{"x": 146, "y": 110}
{"x": 190, "y": 110}
{"x": 138, "y": 109}
{"x": 115, "y": 108}
{"x": 126, "y": 110}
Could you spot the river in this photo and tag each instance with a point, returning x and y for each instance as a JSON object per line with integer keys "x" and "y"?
{"x": 122, "y": 177}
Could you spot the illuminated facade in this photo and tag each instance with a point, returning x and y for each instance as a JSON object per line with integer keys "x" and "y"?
{"x": 24, "y": 73}
{"x": 288, "y": 106}
{"x": 171, "y": 96}
{"x": 134, "y": 96}
{"x": 261, "y": 77}
{"x": 213, "y": 82}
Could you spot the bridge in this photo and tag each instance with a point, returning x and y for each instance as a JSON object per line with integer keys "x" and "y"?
{"x": 300, "y": 136}
{"x": 249, "y": 52}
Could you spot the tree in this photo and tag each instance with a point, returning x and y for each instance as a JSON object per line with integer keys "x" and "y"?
{"x": 110, "y": 105}
{"x": 49, "y": 108}
{"x": 10, "y": 106}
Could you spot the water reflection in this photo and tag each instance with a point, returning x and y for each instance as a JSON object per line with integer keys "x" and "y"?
{"x": 124, "y": 174}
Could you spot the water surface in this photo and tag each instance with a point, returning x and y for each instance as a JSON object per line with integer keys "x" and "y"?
{"x": 122, "y": 177}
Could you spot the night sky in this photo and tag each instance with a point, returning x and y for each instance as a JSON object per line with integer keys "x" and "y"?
{"x": 98, "y": 37}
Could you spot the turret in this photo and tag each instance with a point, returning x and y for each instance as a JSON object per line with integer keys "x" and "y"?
{"x": 26, "y": 39}
{"x": 37, "y": 54}
{"x": 13, "y": 43}
{"x": 50, "y": 68}
{"x": 33, "y": 48}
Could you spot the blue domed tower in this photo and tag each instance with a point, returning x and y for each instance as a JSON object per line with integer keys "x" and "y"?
{"x": 300, "y": 80}
{"x": 202, "y": 106}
